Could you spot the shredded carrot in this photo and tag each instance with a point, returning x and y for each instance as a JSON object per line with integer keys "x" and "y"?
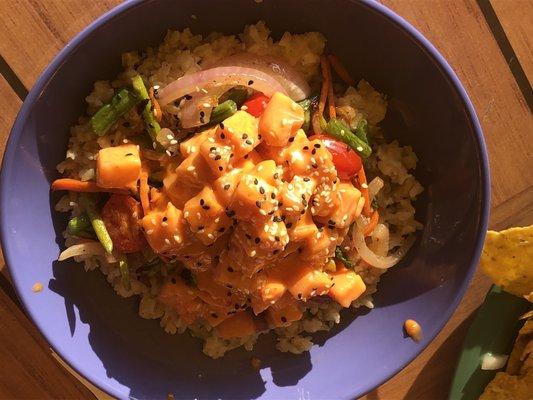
{"x": 325, "y": 87}
{"x": 367, "y": 210}
{"x": 372, "y": 224}
{"x": 341, "y": 70}
{"x": 157, "y": 109}
{"x": 144, "y": 189}
{"x": 75, "y": 185}
{"x": 326, "y": 71}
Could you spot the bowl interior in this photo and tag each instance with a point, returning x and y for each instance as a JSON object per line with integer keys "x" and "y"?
{"x": 100, "y": 333}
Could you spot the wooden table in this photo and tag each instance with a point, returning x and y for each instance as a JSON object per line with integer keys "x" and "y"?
{"x": 488, "y": 43}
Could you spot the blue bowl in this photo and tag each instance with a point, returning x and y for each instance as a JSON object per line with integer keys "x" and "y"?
{"x": 100, "y": 335}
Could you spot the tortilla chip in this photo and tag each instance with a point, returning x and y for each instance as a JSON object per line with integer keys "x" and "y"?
{"x": 507, "y": 258}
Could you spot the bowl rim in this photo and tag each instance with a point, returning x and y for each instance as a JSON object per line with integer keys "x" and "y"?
{"x": 60, "y": 58}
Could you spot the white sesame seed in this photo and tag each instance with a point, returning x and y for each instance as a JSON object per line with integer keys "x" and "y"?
{"x": 125, "y": 141}
{"x": 149, "y": 231}
{"x": 186, "y": 214}
{"x": 244, "y": 108}
{"x": 167, "y": 241}
{"x": 210, "y": 236}
{"x": 177, "y": 238}
{"x": 217, "y": 220}
{"x": 265, "y": 228}
{"x": 364, "y": 186}
{"x": 173, "y": 141}
{"x": 262, "y": 212}
{"x": 206, "y": 105}
{"x": 359, "y": 148}
{"x": 253, "y": 253}
{"x": 212, "y": 140}
{"x": 191, "y": 168}
{"x": 168, "y": 153}
{"x": 203, "y": 90}
{"x": 285, "y": 121}
{"x": 198, "y": 216}
{"x": 163, "y": 223}
{"x": 170, "y": 137}
{"x": 260, "y": 168}
{"x": 153, "y": 221}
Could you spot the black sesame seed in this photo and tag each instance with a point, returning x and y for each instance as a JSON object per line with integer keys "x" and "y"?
{"x": 280, "y": 203}
{"x": 306, "y": 147}
{"x": 211, "y": 149}
{"x": 221, "y": 229}
{"x": 230, "y": 269}
{"x": 314, "y": 166}
{"x": 257, "y": 240}
{"x": 313, "y": 152}
{"x": 291, "y": 139}
{"x": 220, "y": 168}
{"x": 283, "y": 319}
{"x": 227, "y": 186}
{"x": 306, "y": 179}
{"x": 202, "y": 202}
{"x": 165, "y": 219}
{"x": 272, "y": 196}
{"x": 276, "y": 238}
{"x": 214, "y": 315}
{"x": 304, "y": 202}
{"x": 275, "y": 251}
{"x": 244, "y": 136}
{"x": 302, "y": 212}
{"x": 237, "y": 306}
{"x": 217, "y": 157}
{"x": 173, "y": 280}
{"x": 250, "y": 82}
{"x": 198, "y": 264}
{"x": 228, "y": 294}
{"x": 256, "y": 181}
{"x": 246, "y": 157}
{"x": 289, "y": 224}
{"x": 276, "y": 175}
{"x": 299, "y": 295}
{"x": 221, "y": 125}
{"x": 258, "y": 204}
{"x": 262, "y": 190}
{"x": 200, "y": 227}
{"x": 249, "y": 142}
{"x": 317, "y": 145}
{"x": 222, "y": 136}
{"x": 247, "y": 236}
{"x": 188, "y": 96}
{"x": 202, "y": 114}
{"x": 126, "y": 124}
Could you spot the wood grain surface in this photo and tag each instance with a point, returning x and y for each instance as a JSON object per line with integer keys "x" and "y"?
{"x": 33, "y": 31}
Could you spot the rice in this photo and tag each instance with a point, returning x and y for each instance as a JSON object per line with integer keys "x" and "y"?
{"x": 183, "y": 52}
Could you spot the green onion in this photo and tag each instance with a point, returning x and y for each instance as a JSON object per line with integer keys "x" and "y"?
{"x": 340, "y": 131}
{"x": 152, "y": 125}
{"x": 222, "y": 111}
{"x": 88, "y": 202}
{"x": 339, "y": 255}
{"x": 78, "y": 224}
{"x": 362, "y": 130}
{"x": 307, "y": 105}
{"x": 109, "y": 114}
{"x": 239, "y": 96}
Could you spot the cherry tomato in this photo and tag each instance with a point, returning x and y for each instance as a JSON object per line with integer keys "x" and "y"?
{"x": 121, "y": 218}
{"x": 346, "y": 161}
{"x": 256, "y": 104}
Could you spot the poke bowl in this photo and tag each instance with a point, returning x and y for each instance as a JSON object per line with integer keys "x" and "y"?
{"x": 248, "y": 187}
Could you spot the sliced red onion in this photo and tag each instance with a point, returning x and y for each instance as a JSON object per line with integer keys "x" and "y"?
{"x": 209, "y": 79}
{"x": 381, "y": 262}
{"x": 294, "y": 83}
{"x": 197, "y": 110}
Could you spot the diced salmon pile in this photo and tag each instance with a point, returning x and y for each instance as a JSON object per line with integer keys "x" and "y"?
{"x": 255, "y": 210}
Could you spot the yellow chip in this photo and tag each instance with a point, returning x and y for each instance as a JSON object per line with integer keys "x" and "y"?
{"x": 507, "y": 258}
